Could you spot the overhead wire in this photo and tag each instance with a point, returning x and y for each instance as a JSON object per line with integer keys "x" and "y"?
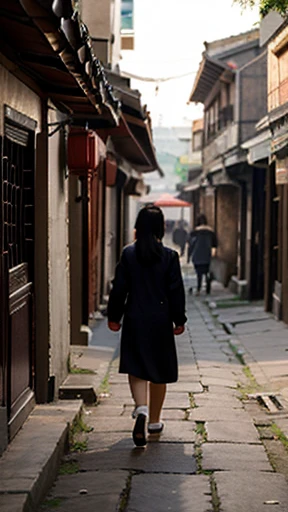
{"x": 127, "y": 74}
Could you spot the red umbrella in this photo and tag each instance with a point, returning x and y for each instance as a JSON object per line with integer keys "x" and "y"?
{"x": 169, "y": 200}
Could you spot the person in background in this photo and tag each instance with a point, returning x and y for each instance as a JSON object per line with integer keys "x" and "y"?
{"x": 148, "y": 293}
{"x": 180, "y": 237}
{"x": 201, "y": 243}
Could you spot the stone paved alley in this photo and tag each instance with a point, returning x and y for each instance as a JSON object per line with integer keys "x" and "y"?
{"x": 218, "y": 452}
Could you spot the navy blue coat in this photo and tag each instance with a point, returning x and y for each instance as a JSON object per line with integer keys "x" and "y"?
{"x": 150, "y": 300}
{"x": 201, "y": 241}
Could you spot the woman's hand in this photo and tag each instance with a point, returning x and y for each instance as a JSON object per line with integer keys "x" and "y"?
{"x": 114, "y": 326}
{"x": 179, "y": 329}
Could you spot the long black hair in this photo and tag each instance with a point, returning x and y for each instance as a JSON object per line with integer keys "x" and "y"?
{"x": 201, "y": 220}
{"x": 149, "y": 228}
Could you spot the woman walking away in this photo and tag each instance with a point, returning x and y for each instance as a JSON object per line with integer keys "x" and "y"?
{"x": 148, "y": 293}
{"x": 202, "y": 240}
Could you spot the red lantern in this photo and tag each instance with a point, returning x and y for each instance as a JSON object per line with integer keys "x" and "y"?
{"x": 82, "y": 154}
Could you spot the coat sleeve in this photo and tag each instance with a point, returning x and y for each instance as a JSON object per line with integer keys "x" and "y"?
{"x": 119, "y": 292}
{"x": 176, "y": 292}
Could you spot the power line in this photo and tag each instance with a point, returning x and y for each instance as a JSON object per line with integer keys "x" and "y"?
{"x": 126, "y": 74}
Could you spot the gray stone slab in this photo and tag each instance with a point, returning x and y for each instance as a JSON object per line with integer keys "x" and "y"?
{"x": 105, "y": 412}
{"x": 262, "y": 354}
{"x": 86, "y": 502}
{"x": 227, "y": 457}
{"x": 241, "y": 310}
{"x": 119, "y": 390}
{"x": 243, "y": 317}
{"x": 185, "y": 360}
{"x": 216, "y": 401}
{"x": 256, "y": 327}
{"x": 95, "y": 483}
{"x": 218, "y": 332}
{"x": 187, "y": 376}
{"x": 169, "y": 492}
{"x": 217, "y": 381}
{"x": 108, "y": 440}
{"x": 278, "y": 339}
{"x": 232, "y": 431}
{"x": 176, "y": 401}
{"x": 111, "y": 401}
{"x": 173, "y": 414}
{"x": 188, "y": 370}
{"x": 14, "y": 503}
{"x": 252, "y": 491}
{"x": 30, "y": 463}
{"x": 118, "y": 424}
{"x": 20, "y": 461}
{"x": 223, "y": 337}
{"x": 186, "y": 387}
{"x": 156, "y": 457}
{"x": 207, "y": 413}
{"x": 221, "y": 373}
{"x": 222, "y": 391}
{"x": 210, "y": 358}
{"x": 176, "y": 432}
{"x": 117, "y": 378}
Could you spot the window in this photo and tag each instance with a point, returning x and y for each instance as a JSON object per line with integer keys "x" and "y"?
{"x": 127, "y": 19}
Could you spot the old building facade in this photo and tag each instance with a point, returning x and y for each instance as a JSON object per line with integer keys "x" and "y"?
{"x": 73, "y": 149}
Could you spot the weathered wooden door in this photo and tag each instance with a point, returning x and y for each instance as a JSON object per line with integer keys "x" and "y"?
{"x": 257, "y": 234}
{"x": 17, "y": 265}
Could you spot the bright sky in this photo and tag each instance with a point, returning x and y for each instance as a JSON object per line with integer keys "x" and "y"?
{"x": 169, "y": 39}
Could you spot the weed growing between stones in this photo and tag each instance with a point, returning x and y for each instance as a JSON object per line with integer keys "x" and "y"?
{"x": 124, "y": 497}
{"x": 251, "y": 387}
{"x": 201, "y": 431}
{"x": 278, "y": 434}
{"x": 237, "y": 352}
{"x": 76, "y": 431}
{"x": 76, "y": 370}
{"x": 104, "y": 388}
{"x": 52, "y": 503}
{"x": 82, "y": 371}
{"x": 186, "y": 414}
{"x": 69, "y": 467}
{"x": 215, "y": 498}
{"x": 192, "y": 401}
{"x": 79, "y": 446}
{"x": 201, "y": 437}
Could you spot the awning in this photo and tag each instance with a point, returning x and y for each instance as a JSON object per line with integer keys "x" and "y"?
{"x": 165, "y": 200}
{"x": 209, "y": 72}
{"x": 46, "y": 60}
{"x": 223, "y": 178}
{"x": 54, "y": 57}
{"x": 136, "y": 118}
{"x": 191, "y": 187}
{"x": 132, "y": 145}
{"x": 259, "y": 147}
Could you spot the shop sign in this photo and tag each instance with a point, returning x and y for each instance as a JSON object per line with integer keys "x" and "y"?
{"x": 282, "y": 172}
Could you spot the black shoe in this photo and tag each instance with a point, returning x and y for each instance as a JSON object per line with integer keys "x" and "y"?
{"x": 139, "y": 436}
{"x": 156, "y": 430}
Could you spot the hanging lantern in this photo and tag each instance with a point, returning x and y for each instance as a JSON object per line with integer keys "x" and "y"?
{"x": 82, "y": 154}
